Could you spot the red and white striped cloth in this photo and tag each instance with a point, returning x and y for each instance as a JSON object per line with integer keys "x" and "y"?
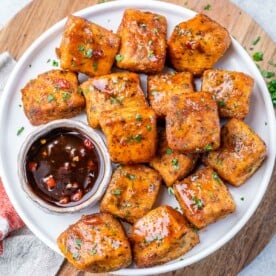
{"x": 9, "y": 219}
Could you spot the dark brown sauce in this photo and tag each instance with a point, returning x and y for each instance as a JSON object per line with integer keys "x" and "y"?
{"x": 62, "y": 167}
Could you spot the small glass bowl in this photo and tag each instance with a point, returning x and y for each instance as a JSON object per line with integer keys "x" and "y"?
{"x": 105, "y": 167}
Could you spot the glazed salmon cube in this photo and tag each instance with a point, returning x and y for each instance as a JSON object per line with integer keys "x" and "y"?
{"x": 203, "y": 197}
{"x": 240, "y": 155}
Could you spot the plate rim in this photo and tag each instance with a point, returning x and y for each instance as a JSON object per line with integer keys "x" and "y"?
{"x": 268, "y": 105}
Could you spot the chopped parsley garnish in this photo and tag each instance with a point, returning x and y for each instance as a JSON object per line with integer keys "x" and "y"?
{"x": 76, "y": 256}
{"x": 150, "y": 54}
{"x": 208, "y": 147}
{"x": 155, "y": 30}
{"x": 142, "y": 25}
{"x": 215, "y": 176}
{"x": 198, "y": 204}
{"x": 19, "y": 131}
{"x": 116, "y": 100}
{"x": 79, "y": 90}
{"x": 175, "y": 164}
{"x": 55, "y": 63}
{"x": 242, "y": 198}
{"x": 272, "y": 63}
{"x": 171, "y": 191}
{"x": 169, "y": 151}
{"x": 258, "y": 56}
{"x": 194, "y": 229}
{"x": 267, "y": 74}
{"x": 221, "y": 103}
{"x": 153, "y": 92}
{"x": 78, "y": 243}
{"x": 50, "y": 98}
{"x": 88, "y": 53}
{"x": 65, "y": 96}
{"x": 117, "y": 192}
{"x": 138, "y": 138}
{"x": 272, "y": 90}
{"x": 95, "y": 65}
{"x": 207, "y": 7}
{"x": 256, "y": 40}
{"x": 149, "y": 127}
{"x": 138, "y": 117}
{"x": 119, "y": 57}
{"x": 130, "y": 176}
{"x": 93, "y": 251}
{"x": 81, "y": 48}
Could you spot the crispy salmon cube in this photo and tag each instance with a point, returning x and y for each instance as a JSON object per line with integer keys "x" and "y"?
{"x": 111, "y": 92}
{"x": 160, "y": 236}
{"x": 163, "y": 86}
{"x": 132, "y": 192}
{"x": 232, "y": 91}
{"x": 87, "y": 47}
{"x": 192, "y": 123}
{"x": 203, "y": 197}
{"x": 240, "y": 155}
{"x": 143, "y": 41}
{"x": 172, "y": 164}
{"x": 96, "y": 243}
{"x": 131, "y": 134}
{"x": 52, "y": 95}
{"x": 197, "y": 44}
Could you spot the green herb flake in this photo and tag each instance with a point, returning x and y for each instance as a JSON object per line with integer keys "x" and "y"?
{"x": 119, "y": 57}
{"x": 208, "y": 7}
{"x": 198, "y": 203}
{"x": 272, "y": 63}
{"x": 78, "y": 243}
{"x": 79, "y": 90}
{"x": 155, "y": 30}
{"x": 142, "y": 25}
{"x": 194, "y": 229}
{"x": 50, "y": 98}
{"x": 171, "y": 191}
{"x": 258, "y": 56}
{"x": 66, "y": 96}
{"x": 19, "y": 131}
{"x": 153, "y": 92}
{"x": 49, "y": 60}
{"x": 55, "y": 63}
{"x": 138, "y": 138}
{"x": 76, "y": 256}
{"x": 216, "y": 178}
{"x": 208, "y": 147}
{"x": 117, "y": 192}
{"x": 81, "y": 48}
{"x": 116, "y": 100}
{"x": 131, "y": 176}
{"x": 272, "y": 90}
{"x": 88, "y": 53}
{"x": 150, "y": 54}
{"x": 149, "y": 128}
{"x": 169, "y": 151}
{"x": 221, "y": 103}
{"x": 175, "y": 164}
{"x": 256, "y": 40}
{"x": 242, "y": 198}
{"x": 267, "y": 74}
{"x": 95, "y": 66}
{"x": 93, "y": 251}
{"x": 138, "y": 117}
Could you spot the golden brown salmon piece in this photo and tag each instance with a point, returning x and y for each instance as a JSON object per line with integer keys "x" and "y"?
{"x": 160, "y": 236}
{"x": 241, "y": 153}
{"x": 162, "y": 87}
{"x": 192, "y": 123}
{"x": 96, "y": 243}
{"x": 172, "y": 164}
{"x": 132, "y": 192}
{"x": 52, "y": 95}
{"x": 232, "y": 91}
{"x": 197, "y": 44}
{"x": 203, "y": 197}
{"x": 143, "y": 41}
{"x": 131, "y": 134}
{"x": 87, "y": 47}
{"x": 111, "y": 92}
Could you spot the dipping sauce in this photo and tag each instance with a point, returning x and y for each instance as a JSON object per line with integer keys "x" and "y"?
{"x": 62, "y": 167}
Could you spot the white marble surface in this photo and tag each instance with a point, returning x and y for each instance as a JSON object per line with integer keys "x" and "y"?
{"x": 263, "y": 12}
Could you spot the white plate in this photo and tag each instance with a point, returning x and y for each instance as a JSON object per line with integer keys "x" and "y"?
{"x": 48, "y": 226}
